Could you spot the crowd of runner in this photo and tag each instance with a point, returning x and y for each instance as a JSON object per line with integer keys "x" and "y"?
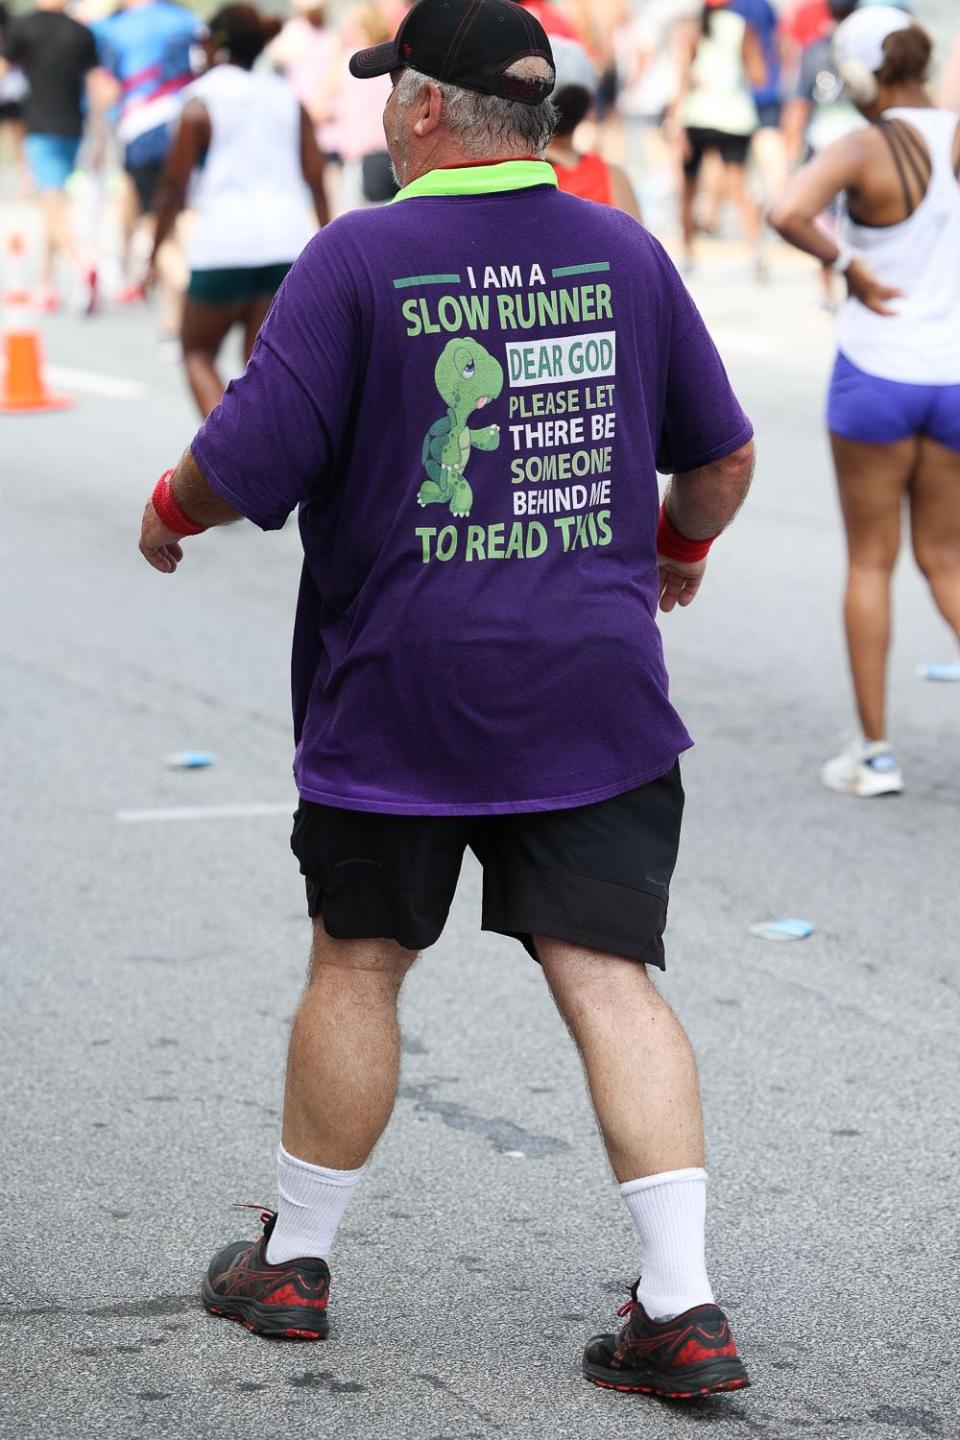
{"x": 699, "y": 104}
{"x": 194, "y": 158}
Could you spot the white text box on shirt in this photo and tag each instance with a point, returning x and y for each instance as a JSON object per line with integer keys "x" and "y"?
{"x": 562, "y": 359}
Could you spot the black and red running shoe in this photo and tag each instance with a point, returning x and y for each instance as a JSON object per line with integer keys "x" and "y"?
{"x": 282, "y": 1302}
{"x": 683, "y": 1358}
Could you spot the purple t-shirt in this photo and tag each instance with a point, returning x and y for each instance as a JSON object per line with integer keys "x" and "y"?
{"x": 469, "y": 396}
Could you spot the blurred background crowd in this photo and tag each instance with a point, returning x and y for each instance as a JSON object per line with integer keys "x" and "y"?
{"x": 690, "y": 114}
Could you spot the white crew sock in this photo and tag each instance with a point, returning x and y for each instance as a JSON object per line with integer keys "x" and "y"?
{"x": 669, "y": 1211}
{"x": 312, "y": 1202}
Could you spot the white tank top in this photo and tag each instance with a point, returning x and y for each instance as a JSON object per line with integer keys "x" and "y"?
{"x": 719, "y": 96}
{"x": 920, "y": 344}
{"x": 249, "y": 196}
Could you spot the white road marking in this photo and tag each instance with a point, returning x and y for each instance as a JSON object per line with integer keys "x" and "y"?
{"x": 89, "y": 382}
{"x": 206, "y": 812}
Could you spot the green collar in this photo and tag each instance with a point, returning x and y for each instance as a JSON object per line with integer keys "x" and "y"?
{"x": 481, "y": 179}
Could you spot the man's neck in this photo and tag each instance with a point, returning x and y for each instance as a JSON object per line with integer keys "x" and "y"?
{"x": 447, "y": 156}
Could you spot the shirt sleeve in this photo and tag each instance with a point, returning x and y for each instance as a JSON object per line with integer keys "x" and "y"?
{"x": 106, "y": 50}
{"x": 276, "y": 439}
{"x": 702, "y": 418}
{"x": 13, "y": 46}
{"x": 91, "y": 57}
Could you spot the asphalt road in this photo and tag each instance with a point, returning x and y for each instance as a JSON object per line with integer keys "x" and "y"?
{"x": 149, "y": 970}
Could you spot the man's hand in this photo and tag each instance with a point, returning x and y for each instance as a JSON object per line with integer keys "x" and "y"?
{"x": 159, "y": 546}
{"x": 867, "y": 289}
{"x": 679, "y": 581}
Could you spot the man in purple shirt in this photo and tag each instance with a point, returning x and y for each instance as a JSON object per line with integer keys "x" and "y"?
{"x": 468, "y": 395}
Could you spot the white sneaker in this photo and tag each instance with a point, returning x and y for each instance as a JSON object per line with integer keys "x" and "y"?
{"x": 866, "y": 768}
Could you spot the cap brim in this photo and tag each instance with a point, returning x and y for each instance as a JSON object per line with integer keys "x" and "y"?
{"x": 378, "y": 60}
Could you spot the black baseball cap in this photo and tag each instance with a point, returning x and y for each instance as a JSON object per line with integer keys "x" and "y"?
{"x": 468, "y": 43}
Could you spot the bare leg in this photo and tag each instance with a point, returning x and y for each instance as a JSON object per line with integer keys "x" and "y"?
{"x": 770, "y": 153}
{"x": 639, "y": 1064}
{"x": 344, "y": 1051}
{"x": 713, "y": 191}
{"x": 17, "y": 133}
{"x": 687, "y": 220}
{"x": 173, "y": 276}
{"x": 58, "y": 234}
{"x": 746, "y": 205}
{"x": 133, "y": 264}
{"x": 935, "y": 523}
{"x": 873, "y": 480}
{"x": 257, "y": 312}
{"x": 204, "y": 330}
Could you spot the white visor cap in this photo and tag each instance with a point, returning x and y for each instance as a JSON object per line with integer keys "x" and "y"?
{"x": 860, "y": 37}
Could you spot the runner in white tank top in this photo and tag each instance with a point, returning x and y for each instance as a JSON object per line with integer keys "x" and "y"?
{"x": 250, "y": 151}
{"x": 721, "y": 61}
{"x": 249, "y": 196}
{"x": 920, "y": 343}
{"x": 894, "y": 404}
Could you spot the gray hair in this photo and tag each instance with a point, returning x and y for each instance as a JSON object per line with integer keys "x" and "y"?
{"x": 486, "y": 124}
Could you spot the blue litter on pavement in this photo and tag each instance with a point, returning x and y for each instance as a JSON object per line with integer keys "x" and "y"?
{"x": 948, "y": 670}
{"x": 783, "y": 930}
{"x": 190, "y": 760}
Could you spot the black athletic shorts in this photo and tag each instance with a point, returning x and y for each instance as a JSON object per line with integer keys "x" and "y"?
{"x": 733, "y": 149}
{"x": 146, "y": 182}
{"x": 596, "y": 875}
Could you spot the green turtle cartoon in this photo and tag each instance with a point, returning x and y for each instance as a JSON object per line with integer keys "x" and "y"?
{"x": 468, "y": 378}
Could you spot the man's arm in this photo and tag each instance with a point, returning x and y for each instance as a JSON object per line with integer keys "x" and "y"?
{"x": 200, "y": 504}
{"x": 275, "y": 439}
{"x": 702, "y": 503}
{"x": 699, "y": 504}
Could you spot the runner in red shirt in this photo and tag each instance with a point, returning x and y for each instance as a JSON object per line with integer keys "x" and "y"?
{"x": 588, "y": 175}
{"x": 806, "y": 21}
{"x": 552, "y": 20}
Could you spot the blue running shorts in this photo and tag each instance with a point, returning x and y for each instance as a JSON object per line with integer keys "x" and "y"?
{"x": 51, "y": 159}
{"x": 878, "y": 412}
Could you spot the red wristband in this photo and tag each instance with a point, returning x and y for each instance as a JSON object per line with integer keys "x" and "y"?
{"x": 676, "y": 546}
{"x": 165, "y": 503}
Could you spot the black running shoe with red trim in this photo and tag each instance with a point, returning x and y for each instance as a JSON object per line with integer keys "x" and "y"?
{"x": 683, "y": 1358}
{"x": 282, "y": 1302}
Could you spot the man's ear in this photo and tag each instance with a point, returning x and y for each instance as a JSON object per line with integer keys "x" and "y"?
{"x": 430, "y": 108}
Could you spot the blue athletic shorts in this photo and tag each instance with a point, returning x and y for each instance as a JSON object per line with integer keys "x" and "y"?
{"x": 51, "y": 159}
{"x": 878, "y": 412}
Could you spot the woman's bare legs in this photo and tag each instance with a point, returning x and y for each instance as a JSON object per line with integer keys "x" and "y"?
{"x": 687, "y": 218}
{"x": 935, "y": 526}
{"x": 204, "y": 330}
{"x": 873, "y": 480}
{"x": 747, "y": 207}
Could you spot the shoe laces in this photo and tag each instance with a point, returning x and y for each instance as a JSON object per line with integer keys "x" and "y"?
{"x": 629, "y": 1306}
{"x": 266, "y": 1215}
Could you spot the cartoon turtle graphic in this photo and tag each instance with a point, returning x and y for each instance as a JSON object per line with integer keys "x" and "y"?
{"x": 468, "y": 378}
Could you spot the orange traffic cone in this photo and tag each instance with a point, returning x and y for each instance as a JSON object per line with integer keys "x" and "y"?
{"x": 23, "y": 388}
